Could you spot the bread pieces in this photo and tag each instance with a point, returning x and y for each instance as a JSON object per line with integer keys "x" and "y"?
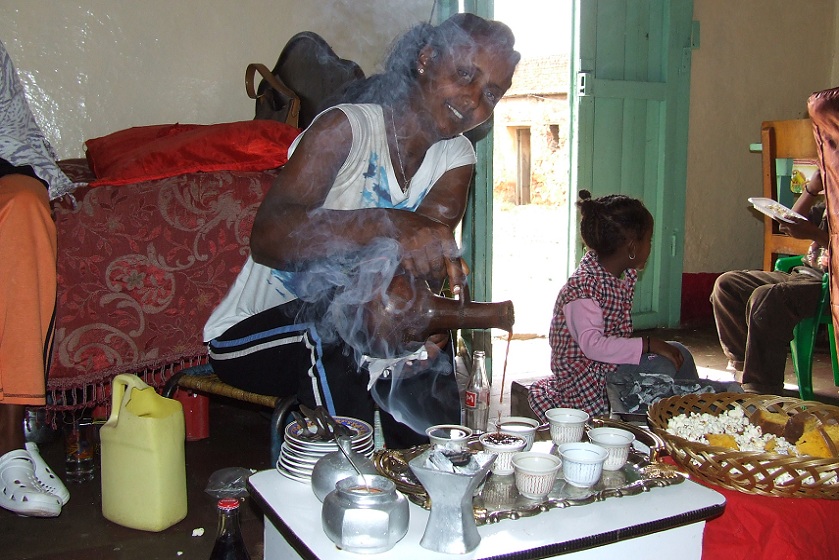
{"x": 798, "y": 424}
{"x": 820, "y": 441}
{"x": 770, "y": 422}
{"x": 722, "y": 440}
{"x": 811, "y": 436}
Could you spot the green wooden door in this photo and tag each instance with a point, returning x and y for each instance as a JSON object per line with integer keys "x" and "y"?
{"x": 476, "y": 231}
{"x": 629, "y": 122}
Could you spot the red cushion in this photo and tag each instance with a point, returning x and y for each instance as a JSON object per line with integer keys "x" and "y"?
{"x": 145, "y": 153}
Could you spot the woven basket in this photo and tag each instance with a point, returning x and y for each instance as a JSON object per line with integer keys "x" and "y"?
{"x": 751, "y": 472}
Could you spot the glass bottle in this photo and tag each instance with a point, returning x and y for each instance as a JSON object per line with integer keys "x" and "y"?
{"x": 229, "y": 543}
{"x": 476, "y": 397}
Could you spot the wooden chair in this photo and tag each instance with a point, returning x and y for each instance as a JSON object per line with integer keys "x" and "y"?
{"x": 790, "y": 139}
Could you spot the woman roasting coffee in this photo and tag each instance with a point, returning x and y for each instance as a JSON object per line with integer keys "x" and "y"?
{"x": 372, "y": 189}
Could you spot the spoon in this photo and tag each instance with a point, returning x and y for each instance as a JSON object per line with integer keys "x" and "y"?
{"x": 339, "y": 440}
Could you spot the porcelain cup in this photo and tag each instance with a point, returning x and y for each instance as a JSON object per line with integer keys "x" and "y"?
{"x": 505, "y": 446}
{"x": 582, "y": 463}
{"x": 535, "y": 473}
{"x": 566, "y": 424}
{"x": 616, "y": 442}
{"x": 449, "y": 435}
{"x": 517, "y": 425}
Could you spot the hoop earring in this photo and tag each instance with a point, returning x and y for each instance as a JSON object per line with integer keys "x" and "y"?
{"x": 632, "y": 256}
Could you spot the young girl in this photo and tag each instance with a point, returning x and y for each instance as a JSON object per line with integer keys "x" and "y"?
{"x": 591, "y": 330}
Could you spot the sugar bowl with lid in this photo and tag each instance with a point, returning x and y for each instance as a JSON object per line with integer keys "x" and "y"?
{"x": 365, "y": 514}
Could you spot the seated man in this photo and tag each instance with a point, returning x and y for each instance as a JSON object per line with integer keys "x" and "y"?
{"x": 756, "y": 311}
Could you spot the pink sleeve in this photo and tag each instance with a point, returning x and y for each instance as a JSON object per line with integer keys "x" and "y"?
{"x": 585, "y": 322}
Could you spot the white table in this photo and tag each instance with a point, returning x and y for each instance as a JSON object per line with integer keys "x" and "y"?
{"x": 664, "y": 519}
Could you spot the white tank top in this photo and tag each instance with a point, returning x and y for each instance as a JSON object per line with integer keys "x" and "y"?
{"x": 365, "y": 180}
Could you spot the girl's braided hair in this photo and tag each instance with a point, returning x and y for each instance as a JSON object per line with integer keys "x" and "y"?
{"x": 609, "y": 221}
{"x": 394, "y": 83}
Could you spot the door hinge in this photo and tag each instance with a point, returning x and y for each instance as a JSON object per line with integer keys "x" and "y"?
{"x": 583, "y": 81}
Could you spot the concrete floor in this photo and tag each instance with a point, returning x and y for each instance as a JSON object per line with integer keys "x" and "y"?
{"x": 239, "y": 437}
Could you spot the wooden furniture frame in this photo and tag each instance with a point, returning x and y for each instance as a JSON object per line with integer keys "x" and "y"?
{"x": 792, "y": 139}
{"x": 202, "y": 379}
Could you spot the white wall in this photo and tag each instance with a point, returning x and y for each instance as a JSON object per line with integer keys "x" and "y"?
{"x": 95, "y": 66}
{"x": 92, "y": 67}
{"x": 758, "y": 60}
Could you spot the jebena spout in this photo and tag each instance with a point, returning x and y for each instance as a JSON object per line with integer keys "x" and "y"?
{"x": 408, "y": 313}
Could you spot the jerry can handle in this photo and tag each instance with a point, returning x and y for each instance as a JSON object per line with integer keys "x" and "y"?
{"x": 119, "y": 396}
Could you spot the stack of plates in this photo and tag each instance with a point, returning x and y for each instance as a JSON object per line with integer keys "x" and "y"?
{"x": 298, "y": 454}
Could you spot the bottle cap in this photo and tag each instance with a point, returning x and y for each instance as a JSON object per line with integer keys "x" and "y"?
{"x": 228, "y": 504}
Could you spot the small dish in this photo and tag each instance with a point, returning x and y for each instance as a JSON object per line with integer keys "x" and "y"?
{"x": 775, "y": 209}
{"x": 566, "y": 424}
{"x": 582, "y": 463}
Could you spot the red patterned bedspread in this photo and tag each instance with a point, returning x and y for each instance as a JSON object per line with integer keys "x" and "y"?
{"x": 140, "y": 268}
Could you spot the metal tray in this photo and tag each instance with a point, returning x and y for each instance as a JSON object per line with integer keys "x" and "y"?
{"x": 497, "y": 498}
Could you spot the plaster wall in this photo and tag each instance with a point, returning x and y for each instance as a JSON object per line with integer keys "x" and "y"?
{"x": 758, "y": 60}
{"x": 95, "y": 66}
{"x": 91, "y": 67}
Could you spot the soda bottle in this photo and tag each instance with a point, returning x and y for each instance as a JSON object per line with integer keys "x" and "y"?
{"x": 229, "y": 543}
{"x": 476, "y": 397}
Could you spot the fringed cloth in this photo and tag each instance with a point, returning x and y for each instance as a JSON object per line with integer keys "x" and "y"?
{"x": 140, "y": 269}
{"x": 76, "y": 397}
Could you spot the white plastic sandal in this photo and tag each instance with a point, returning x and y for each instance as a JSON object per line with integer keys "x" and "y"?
{"x": 48, "y": 479}
{"x": 20, "y": 491}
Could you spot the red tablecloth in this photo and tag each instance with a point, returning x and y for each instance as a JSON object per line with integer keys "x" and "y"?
{"x": 767, "y": 528}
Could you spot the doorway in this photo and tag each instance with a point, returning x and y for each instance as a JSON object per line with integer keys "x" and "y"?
{"x": 531, "y": 166}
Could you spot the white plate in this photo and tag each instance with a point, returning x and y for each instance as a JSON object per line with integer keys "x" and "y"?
{"x": 320, "y": 451}
{"x": 290, "y": 455}
{"x": 293, "y": 459}
{"x": 362, "y": 429}
{"x": 283, "y": 471}
{"x": 299, "y": 457}
{"x": 305, "y": 472}
{"x": 306, "y": 464}
{"x": 775, "y": 209}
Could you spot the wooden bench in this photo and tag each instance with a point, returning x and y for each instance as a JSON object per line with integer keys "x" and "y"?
{"x": 202, "y": 379}
{"x": 518, "y": 398}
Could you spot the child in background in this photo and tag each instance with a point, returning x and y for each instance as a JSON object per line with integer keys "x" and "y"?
{"x": 591, "y": 329}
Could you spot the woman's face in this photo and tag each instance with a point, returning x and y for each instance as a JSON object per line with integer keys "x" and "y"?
{"x": 461, "y": 87}
{"x": 645, "y": 245}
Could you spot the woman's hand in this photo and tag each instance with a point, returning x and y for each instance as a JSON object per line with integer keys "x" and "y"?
{"x": 664, "y": 348}
{"x": 430, "y": 252}
{"x": 434, "y": 346}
